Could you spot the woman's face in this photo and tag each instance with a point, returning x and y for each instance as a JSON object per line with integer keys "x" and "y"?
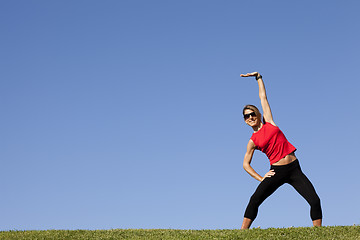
{"x": 251, "y": 118}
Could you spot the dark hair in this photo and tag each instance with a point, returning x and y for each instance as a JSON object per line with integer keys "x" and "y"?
{"x": 255, "y": 109}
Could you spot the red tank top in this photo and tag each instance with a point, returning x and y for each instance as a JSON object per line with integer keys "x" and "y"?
{"x": 272, "y": 141}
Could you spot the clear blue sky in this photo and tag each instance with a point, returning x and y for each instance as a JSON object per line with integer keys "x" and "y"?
{"x": 127, "y": 114}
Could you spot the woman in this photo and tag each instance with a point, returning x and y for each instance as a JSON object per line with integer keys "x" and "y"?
{"x": 285, "y": 167}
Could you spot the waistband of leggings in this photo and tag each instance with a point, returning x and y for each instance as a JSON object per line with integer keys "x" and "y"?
{"x": 293, "y": 164}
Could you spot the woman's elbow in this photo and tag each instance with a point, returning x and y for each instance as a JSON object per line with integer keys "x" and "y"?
{"x": 246, "y": 165}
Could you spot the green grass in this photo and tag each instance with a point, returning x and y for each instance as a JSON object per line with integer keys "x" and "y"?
{"x": 313, "y": 233}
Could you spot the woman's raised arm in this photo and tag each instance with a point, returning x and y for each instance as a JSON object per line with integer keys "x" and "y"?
{"x": 263, "y": 97}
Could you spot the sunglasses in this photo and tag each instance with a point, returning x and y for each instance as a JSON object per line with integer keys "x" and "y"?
{"x": 252, "y": 114}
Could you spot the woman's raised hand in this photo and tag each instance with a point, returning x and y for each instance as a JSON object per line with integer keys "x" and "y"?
{"x": 253, "y": 74}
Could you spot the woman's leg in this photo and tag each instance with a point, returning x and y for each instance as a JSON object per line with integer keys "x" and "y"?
{"x": 317, "y": 223}
{"x": 305, "y": 188}
{"x": 264, "y": 190}
{"x": 246, "y": 223}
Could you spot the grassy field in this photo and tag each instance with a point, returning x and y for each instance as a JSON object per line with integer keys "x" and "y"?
{"x": 338, "y": 232}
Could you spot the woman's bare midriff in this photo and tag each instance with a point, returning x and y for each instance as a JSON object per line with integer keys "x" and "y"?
{"x": 286, "y": 160}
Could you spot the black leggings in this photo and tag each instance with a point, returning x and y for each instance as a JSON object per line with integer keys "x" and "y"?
{"x": 292, "y": 174}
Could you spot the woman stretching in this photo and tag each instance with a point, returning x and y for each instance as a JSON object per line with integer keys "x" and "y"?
{"x": 285, "y": 167}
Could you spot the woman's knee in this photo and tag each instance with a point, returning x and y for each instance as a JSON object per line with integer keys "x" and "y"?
{"x": 255, "y": 199}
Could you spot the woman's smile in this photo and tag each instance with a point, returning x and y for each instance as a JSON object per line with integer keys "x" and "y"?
{"x": 250, "y": 118}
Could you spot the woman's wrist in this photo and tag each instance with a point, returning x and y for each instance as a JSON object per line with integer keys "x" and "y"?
{"x": 258, "y": 76}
